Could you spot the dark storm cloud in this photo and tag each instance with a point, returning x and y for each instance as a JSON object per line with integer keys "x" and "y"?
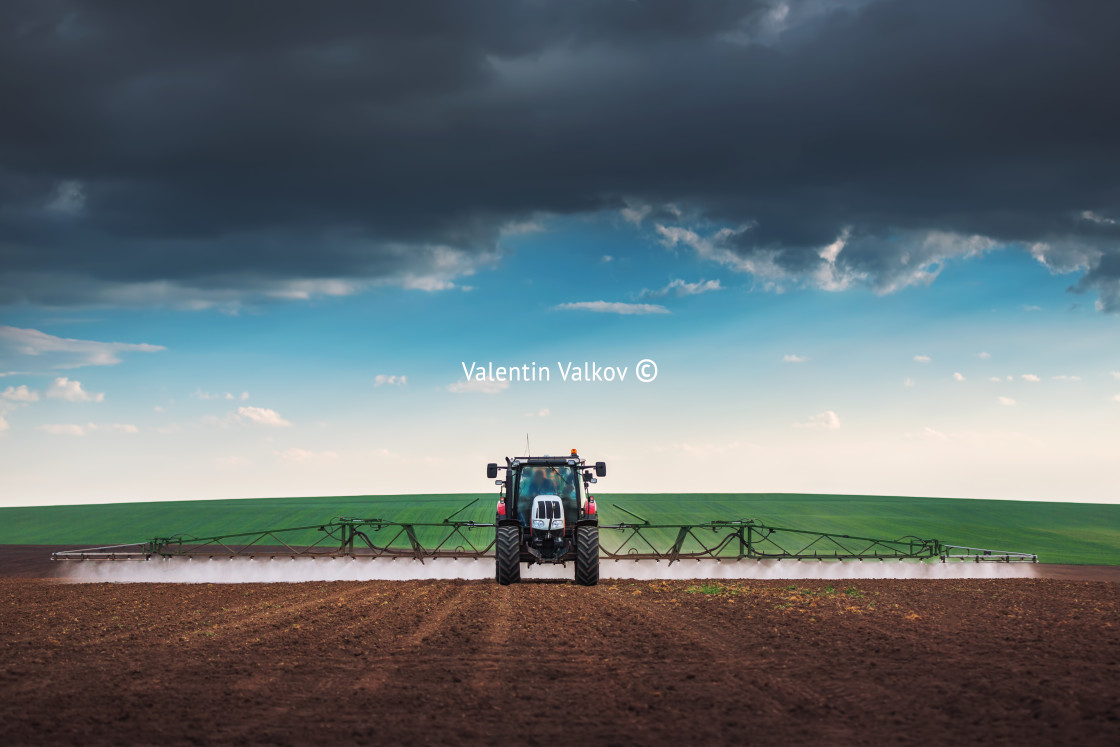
{"x": 199, "y": 151}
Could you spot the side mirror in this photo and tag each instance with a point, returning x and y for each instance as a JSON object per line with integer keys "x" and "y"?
{"x": 491, "y": 471}
{"x": 600, "y": 469}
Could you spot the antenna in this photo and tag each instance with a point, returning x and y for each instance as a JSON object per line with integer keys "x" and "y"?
{"x": 527, "y": 452}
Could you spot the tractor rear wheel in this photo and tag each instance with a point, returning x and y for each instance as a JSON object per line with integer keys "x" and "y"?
{"x": 587, "y": 555}
{"x": 507, "y": 555}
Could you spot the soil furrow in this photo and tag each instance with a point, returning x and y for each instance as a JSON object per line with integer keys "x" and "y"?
{"x": 760, "y": 662}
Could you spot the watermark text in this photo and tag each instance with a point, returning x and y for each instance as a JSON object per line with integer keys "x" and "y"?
{"x": 564, "y": 371}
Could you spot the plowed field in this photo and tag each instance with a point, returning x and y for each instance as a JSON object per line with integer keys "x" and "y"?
{"x": 760, "y": 662}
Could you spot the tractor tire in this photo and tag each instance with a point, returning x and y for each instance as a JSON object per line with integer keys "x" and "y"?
{"x": 587, "y": 555}
{"x": 507, "y": 555}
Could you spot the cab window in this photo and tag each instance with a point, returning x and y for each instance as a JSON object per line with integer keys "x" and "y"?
{"x": 558, "y": 480}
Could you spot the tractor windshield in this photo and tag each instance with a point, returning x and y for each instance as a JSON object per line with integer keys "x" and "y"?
{"x": 547, "y": 479}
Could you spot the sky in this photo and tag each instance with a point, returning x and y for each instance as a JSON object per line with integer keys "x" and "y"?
{"x": 869, "y": 247}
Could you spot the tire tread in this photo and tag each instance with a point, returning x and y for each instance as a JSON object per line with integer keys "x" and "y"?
{"x": 587, "y": 555}
{"x": 507, "y": 555}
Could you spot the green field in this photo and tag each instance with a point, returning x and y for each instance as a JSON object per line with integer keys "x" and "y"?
{"x": 1082, "y": 533}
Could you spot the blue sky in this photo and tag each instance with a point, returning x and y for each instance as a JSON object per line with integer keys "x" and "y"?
{"x": 758, "y": 390}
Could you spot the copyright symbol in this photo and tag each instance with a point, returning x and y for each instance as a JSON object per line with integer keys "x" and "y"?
{"x": 646, "y": 370}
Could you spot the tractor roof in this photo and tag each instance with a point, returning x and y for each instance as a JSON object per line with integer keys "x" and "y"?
{"x": 547, "y": 460}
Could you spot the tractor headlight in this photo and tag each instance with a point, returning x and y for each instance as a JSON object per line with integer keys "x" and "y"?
{"x": 557, "y": 523}
{"x": 540, "y": 523}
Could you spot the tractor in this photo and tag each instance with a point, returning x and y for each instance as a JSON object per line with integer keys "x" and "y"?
{"x": 546, "y": 514}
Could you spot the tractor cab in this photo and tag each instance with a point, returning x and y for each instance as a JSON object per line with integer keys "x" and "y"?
{"x": 556, "y": 482}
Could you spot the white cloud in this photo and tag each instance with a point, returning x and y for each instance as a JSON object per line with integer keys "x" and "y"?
{"x": 1066, "y": 257}
{"x": 517, "y": 228}
{"x": 62, "y": 430}
{"x": 985, "y": 356}
{"x": 925, "y": 255}
{"x": 828, "y": 276}
{"x": 1097, "y": 218}
{"x": 1006, "y": 401}
{"x": 115, "y": 428}
{"x": 613, "y": 307}
{"x": 303, "y": 290}
{"x": 827, "y": 420}
{"x": 761, "y": 264}
{"x": 424, "y": 267}
{"x": 679, "y": 287}
{"x": 1116, "y": 397}
{"x": 958, "y": 376}
{"x": 1032, "y": 308}
{"x": 71, "y": 391}
{"x": 66, "y": 352}
{"x": 922, "y": 359}
{"x": 908, "y": 381}
{"x": 429, "y": 283}
{"x": 384, "y": 380}
{"x": 304, "y": 456}
{"x": 607, "y": 258}
{"x": 226, "y": 300}
{"x": 69, "y": 198}
{"x": 995, "y": 379}
{"x": 791, "y": 358}
{"x": 538, "y": 414}
{"x": 483, "y": 386}
{"x": 1115, "y": 375}
{"x": 446, "y": 265}
{"x": 233, "y": 461}
{"x": 1065, "y": 377}
{"x": 262, "y": 416}
{"x": 3, "y": 423}
{"x": 230, "y": 396}
{"x": 20, "y": 394}
{"x": 635, "y": 213}
{"x": 1031, "y": 378}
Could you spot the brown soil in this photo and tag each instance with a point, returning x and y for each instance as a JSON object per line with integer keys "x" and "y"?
{"x": 772, "y": 662}
{"x": 29, "y": 561}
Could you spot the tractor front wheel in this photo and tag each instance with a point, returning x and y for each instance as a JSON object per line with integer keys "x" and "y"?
{"x": 507, "y": 555}
{"x": 587, "y": 555}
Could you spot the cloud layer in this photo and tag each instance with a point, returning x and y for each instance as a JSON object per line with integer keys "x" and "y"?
{"x": 827, "y": 144}
{"x": 65, "y": 352}
{"x": 614, "y": 307}
{"x": 72, "y": 391}
{"x": 262, "y": 416}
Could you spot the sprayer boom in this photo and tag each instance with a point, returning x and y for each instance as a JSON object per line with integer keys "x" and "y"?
{"x": 382, "y": 538}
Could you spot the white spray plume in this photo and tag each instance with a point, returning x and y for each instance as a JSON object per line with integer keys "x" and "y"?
{"x": 295, "y": 570}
